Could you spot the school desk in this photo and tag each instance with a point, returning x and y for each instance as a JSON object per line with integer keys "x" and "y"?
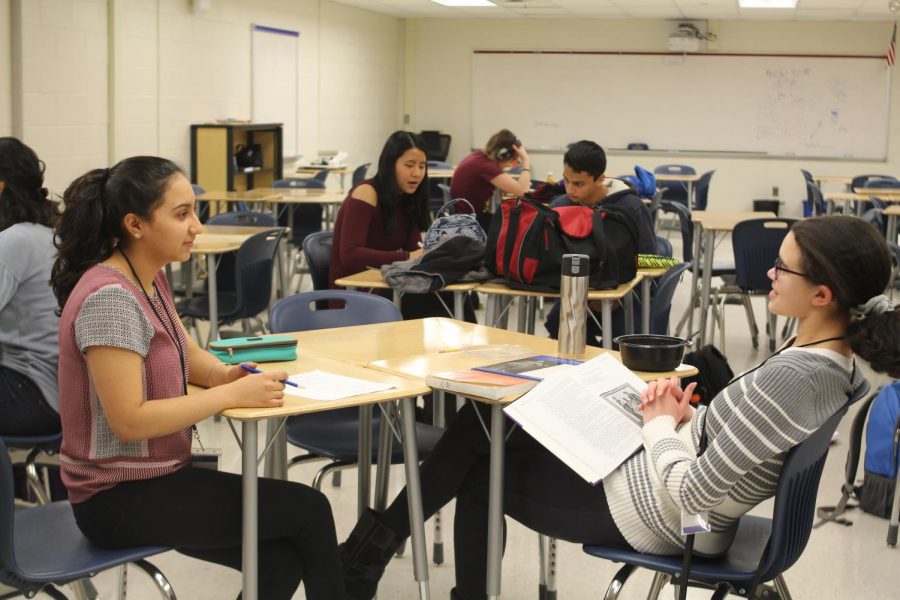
{"x": 441, "y": 173}
{"x": 405, "y": 390}
{"x": 223, "y": 198}
{"x": 307, "y": 171}
{"x": 707, "y": 225}
{"x": 861, "y": 196}
{"x": 288, "y": 197}
{"x": 892, "y": 212}
{"x": 373, "y": 279}
{"x": 215, "y": 241}
{"x": 688, "y": 180}
{"x": 497, "y": 290}
{"x": 843, "y": 180}
{"x": 426, "y": 346}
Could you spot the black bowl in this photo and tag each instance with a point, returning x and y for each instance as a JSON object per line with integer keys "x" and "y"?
{"x": 648, "y": 352}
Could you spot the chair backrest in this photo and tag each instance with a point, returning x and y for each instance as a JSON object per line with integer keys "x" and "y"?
{"x": 253, "y": 269}
{"x": 795, "y": 495}
{"x": 438, "y": 164}
{"x": 359, "y": 173}
{"x": 317, "y": 249}
{"x": 321, "y": 175}
{"x": 815, "y": 199}
{"x": 663, "y": 246}
{"x": 247, "y": 218}
{"x": 673, "y": 169}
{"x": 863, "y": 180}
{"x": 198, "y": 190}
{"x": 756, "y": 243}
{"x": 661, "y": 303}
{"x": 701, "y": 191}
{"x": 7, "y": 512}
{"x": 684, "y": 223}
{"x": 637, "y": 146}
{"x": 307, "y": 183}
{"x": 437, "y": 144}
{"x": 808, "y": 176}
{"x": 311, "y": 310}
{"x": 882, "y": 183}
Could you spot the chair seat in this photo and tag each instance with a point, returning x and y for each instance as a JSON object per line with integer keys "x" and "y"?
{"x": 47, "y": 443}
{"x": 334, "y": 434}
{"x": 49, "y": 547}
{"x": 736, "y": 567}
{"x": 198, "y": 306}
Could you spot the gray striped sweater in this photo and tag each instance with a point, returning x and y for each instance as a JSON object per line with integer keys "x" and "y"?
{"x": 749, "y": 426}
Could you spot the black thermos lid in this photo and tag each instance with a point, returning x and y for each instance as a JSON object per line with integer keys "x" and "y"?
{"x": 576, "y": 265}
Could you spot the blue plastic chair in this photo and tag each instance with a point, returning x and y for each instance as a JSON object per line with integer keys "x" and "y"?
{"x": 359, "y": 174}
{"x": 663, "y": 246}
{"x": 244, "y": 218}
{"x": 42, "y": 547}
{"x": 334, "y": 434}
{"x": 763, "y": 548}
{"x": 35, "y": 445}
{"x": 253, "y": 272}
{"x": 701, "y": 191}
{"x": 815, "y": 200}
{"x": 307, "y": 217}
{"x": 317, "y": 250}
{"x": 808, "y": 176}
{"x": 675, "y": 191}
{"x": 321, "y": 176}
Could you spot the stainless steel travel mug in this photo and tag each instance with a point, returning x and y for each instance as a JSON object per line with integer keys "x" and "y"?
{"x": 573, "y": 288}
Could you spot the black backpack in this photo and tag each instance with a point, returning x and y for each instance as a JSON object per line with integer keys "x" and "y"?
{"x": 714, "y": 375}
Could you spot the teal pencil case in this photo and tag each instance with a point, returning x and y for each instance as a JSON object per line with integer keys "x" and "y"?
{"x": 268, "y": 348}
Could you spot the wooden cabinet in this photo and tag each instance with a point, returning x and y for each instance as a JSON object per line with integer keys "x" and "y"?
{"x": 212, "y": 155}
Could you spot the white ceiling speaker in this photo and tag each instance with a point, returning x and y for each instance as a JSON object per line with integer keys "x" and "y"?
{"x": 201, "y": 5}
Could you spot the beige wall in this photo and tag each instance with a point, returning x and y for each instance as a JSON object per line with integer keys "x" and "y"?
{"x": 439, "y": 91}
{"x": 172, "y": 67}
{"x": 5, "y": 70}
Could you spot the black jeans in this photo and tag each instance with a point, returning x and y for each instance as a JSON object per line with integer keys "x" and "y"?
{"x": 198, "y": 512}
{"x": 540, "y": 492}
{"x": 23, "y": 409}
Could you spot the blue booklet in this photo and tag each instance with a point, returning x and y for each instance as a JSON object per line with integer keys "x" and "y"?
{"x": 536, "y": 368}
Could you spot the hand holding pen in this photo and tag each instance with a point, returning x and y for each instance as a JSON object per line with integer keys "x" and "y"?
{"x": 250, "y": 369}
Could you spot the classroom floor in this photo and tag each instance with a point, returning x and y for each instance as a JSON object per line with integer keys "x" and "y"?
{"x": 839, "y": 562}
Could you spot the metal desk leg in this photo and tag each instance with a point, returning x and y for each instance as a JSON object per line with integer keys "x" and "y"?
{"x": 892, "y": 229}
{"x": 530, "y": 308}
{"x": 439, "y": 400}
{"x": 397, "y": 298}
{"x": 606, "y": 322}
{"x": 276, "y": 458}
{"x": 495, "y": 503}
{"x": 490, "y": 311}
{"x": 645, "y": 305}
{"x": 520, "y": 313}
{"x": 695, "y": 278}
{"x": 629, "y": 313}
{"x": 383, "y": 470}
{"x": 414, "y": 496}
{"x": 707, "y": 278}
{"x": 364, "y": 471}
{"x": 458, "y": 303}
{"x": 213, "y": 300}
{"x": 250, "y": 493}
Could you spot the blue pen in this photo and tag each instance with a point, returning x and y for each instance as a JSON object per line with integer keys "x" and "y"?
{"x": 250, "y": 369}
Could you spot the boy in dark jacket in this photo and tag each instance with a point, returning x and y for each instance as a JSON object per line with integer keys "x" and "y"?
{"x": 587, "y": 185}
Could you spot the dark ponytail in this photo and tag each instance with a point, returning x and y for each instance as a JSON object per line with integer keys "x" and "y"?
{"x": 851, "y": 257}
{"x": 390, "y": 199}
{"x": 95, "y": 206}
{"x": 24, "y": 198}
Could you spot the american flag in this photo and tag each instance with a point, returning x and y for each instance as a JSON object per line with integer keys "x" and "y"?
{"x": 892, "y": 48}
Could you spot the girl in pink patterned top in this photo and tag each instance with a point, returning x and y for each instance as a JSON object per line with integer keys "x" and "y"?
{"x": 125, "y": 362}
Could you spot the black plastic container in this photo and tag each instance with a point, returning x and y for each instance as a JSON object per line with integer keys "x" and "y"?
{"x": 767, "y": 206}
{"x": 649, "y": 352}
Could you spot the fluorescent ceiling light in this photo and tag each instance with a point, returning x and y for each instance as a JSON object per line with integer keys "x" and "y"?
{"x": 767, "y": 3}
{"x": 485, "y": 3}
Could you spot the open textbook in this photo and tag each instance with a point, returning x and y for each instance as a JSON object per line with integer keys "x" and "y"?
{"x": 588, "y": 416}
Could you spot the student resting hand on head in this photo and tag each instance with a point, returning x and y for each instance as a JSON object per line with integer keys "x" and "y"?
{"x": 382, "y": 220}
{"x": 478, "y": 175}
{"x": 830, "y": 276}
{"x": 124, "y": 366}
{"x": 584, "y": 168}
{"x": 29, "y": 327}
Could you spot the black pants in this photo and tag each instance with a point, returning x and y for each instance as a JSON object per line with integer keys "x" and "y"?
{"x": 23, "y": 409}
{"x": 198, "y": 512}
{"x": 540, "y": 492}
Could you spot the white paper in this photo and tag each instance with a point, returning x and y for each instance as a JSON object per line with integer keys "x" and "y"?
{"x": 587, "y": 416}
{"x": 319, "y": 385}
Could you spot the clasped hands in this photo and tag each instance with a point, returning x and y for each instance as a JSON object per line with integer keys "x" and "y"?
{"x": 665, "y": 397}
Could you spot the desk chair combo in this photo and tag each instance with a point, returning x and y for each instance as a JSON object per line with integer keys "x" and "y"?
{"x": 763, "y": 548}
{"x": 42, "y": 547}
{"x": 334, "y": 434}
{"x": 253, "y": 274}
{"x": 675, "y": 191}
{"x": 359, "y": 174}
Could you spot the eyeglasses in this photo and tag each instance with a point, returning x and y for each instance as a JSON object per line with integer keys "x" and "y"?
{"x": 780, "y": 268}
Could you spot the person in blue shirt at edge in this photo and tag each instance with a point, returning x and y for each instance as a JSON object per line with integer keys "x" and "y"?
{"x": 587, "y": 185}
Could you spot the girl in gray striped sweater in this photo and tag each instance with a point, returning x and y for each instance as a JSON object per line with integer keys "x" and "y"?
{"x": 830, "y": 275}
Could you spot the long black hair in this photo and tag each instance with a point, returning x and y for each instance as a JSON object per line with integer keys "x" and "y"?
{"x": 390, "y": 199}
{"x": 851, "y": 257}
{"x": 24, "y": 198}
{"x": 95, "y": 206}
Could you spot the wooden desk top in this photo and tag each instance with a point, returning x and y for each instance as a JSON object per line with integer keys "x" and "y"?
{"x": 441, "y": 173}
{"x": 372, "y": 278}
{"x": 219, "y": 239}
{"x": 677, "y": 177}
{"x": 879, "y": 192}
{"x": 304, "y": 171}
{"x": 653, "y": 273}
{"x": 309, "y": 361}
{"x": 893, "y": 209}
{"x": 305, "y": 196}
{"x": 842, "y": 179}
{"x": 254, "y": 195}
{"x": 714, "y": 220}
{"x": 499, "y": 288}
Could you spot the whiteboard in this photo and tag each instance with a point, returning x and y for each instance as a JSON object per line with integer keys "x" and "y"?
{"x": 274, "y": 75}
{"x": 835, "y": 107}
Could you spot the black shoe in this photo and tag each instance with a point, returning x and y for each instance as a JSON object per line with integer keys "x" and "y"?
{"x": 365, "y": 554}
